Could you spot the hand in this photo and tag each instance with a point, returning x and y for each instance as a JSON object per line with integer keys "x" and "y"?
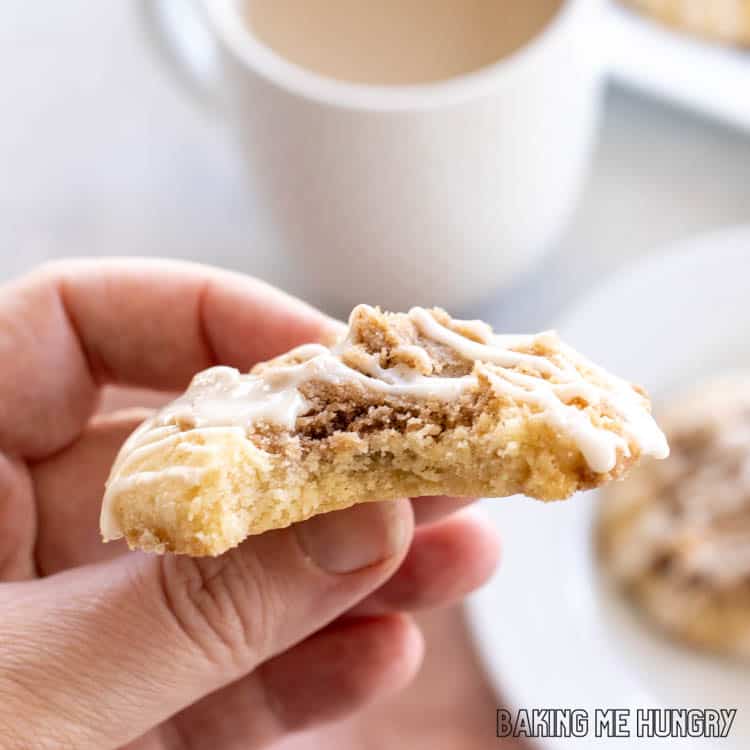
{"x": 103, "y": 648}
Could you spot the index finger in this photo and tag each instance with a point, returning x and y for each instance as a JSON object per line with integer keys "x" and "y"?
{"x": 75, "y": 325}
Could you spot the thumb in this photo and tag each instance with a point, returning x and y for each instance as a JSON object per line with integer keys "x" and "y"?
{"x": 98, "y": 655}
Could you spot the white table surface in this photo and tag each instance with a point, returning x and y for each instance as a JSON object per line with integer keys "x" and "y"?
{"x": 101, "y": 154}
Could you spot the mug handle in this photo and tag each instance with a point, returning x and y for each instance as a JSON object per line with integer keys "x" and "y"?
{"x": 179, "y": 32}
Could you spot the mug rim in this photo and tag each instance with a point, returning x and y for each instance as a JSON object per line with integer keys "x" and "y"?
{"x": 226, "y": 17}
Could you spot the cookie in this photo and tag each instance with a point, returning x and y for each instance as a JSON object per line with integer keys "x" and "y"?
{"x": 725, "y": 21}
{"x": 676, "y": 537}
{"x": 404, "y": 405}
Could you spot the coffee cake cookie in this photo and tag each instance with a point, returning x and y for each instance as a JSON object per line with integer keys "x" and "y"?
{"x": 676, "y": 536}
{"x": 726, "y": 21}
{"x": 404, "y": 405}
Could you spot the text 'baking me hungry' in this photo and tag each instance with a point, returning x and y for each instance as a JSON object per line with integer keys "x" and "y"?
{"x": 616, "y": 722}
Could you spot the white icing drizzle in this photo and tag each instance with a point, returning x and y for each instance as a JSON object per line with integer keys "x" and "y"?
{"x": 150, "y": 439}
{"x": 497, "y": 354}
{"x": 221, "y": 397}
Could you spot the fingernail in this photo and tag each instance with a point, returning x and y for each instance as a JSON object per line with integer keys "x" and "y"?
{"x": 355, "y": 538}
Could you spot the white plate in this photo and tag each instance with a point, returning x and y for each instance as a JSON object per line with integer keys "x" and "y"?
{"x": 550, "y": 632}
{"x": 705, "y": 76}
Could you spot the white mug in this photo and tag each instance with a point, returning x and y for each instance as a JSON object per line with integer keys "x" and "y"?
{"x": 430, "y": 194}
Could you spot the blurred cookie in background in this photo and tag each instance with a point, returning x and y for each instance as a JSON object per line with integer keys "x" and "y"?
{"x": 676, "y": 536}
{"x": 725, "y": 21}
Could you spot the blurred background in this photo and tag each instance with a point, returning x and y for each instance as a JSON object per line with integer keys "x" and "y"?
{"x": 102, "y": 154}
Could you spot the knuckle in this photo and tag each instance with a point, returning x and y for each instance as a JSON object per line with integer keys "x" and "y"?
{"x": 226, "y": 606}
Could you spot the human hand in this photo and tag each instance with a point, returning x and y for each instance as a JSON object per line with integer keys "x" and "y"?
{"x": 103, "y": 648}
